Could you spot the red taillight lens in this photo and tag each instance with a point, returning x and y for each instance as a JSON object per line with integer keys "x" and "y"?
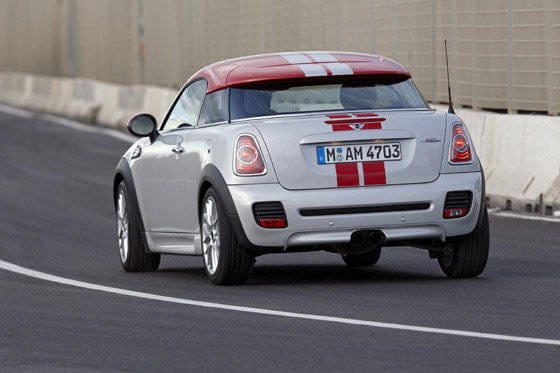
{"x": 460, "y": 147}
{"x": 273, "y": 223}
{"x": 248, "y": 160}
{"x": 455, "y": 213}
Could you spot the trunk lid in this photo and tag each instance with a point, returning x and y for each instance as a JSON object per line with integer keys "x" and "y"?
{"x": 292, "y": 143}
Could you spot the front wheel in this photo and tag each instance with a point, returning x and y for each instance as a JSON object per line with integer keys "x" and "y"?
{"x": 226, "y": 262}
{"x": 132, "y": 252}
{"x": 468, "y": 254}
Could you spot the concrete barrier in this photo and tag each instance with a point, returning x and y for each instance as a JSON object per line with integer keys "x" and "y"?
{"x": 520, "y": 153}
{"x": 88, "y": 100}
{"x": 521, "y": 158}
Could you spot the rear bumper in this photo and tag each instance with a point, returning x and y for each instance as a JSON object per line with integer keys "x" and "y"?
{"x": 337, "y": 229}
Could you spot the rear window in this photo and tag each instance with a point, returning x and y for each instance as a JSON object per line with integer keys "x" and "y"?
{"x": 293, "y": 97}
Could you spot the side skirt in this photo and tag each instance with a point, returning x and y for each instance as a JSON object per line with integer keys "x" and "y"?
{"x": 174, "y": 243}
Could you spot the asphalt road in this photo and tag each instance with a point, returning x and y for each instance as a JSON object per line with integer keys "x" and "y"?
{"x": 56, "y": 217}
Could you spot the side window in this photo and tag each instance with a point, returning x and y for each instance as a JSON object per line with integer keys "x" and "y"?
{"x": 215, "y": 108}
{"x": 187, "y": 108}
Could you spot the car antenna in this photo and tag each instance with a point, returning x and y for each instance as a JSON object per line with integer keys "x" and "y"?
{"x": 450, "y": 110}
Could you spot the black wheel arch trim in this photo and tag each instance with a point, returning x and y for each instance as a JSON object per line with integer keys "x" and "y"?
{"x": 211, "y": 176}
{"x": 123, "y": 172}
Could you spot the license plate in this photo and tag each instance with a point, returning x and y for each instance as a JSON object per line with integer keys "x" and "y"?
{"x": 367, "y": 152}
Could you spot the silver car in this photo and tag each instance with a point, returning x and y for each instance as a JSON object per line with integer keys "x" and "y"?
{"x": 300, "y": 151}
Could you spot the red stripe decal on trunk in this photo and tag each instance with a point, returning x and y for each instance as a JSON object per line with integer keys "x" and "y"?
{"x": 355, "y": 120}
{"x": 374, "y": 173}
{"x": 347, "y": 174}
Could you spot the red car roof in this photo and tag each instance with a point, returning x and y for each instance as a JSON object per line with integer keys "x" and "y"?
{"x": 295, "y": 65}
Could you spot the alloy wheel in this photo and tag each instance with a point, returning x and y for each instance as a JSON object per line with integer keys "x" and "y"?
{"x": 122, "y": 225}
{"x": 210, "y": 235}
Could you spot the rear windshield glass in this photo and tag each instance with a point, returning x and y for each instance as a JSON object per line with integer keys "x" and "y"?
{"x": 362, "y": 94}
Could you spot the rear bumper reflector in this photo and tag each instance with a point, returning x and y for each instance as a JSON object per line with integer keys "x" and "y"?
{"x": 364, "y": 209}
{"x": 270, "y": 214}
{"x": 457, "y": 204}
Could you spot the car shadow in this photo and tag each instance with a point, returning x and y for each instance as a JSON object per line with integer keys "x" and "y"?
{"x": 313, "y": 274}
{"x": 339, "y": 274}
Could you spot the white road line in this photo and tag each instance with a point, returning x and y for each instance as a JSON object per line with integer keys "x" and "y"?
{"x": 68, "y": 123}
{"x": 15, "y": 111}
{"x": 263, "y": 311}
{"x": 506, "y": 214}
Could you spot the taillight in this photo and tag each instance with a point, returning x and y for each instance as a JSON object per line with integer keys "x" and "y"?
{"x": 273, "y": 223}
{"x": 460, "y": 147}
{"x": 248, "y": 159}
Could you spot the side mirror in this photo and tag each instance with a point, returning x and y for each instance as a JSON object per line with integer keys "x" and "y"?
{"x": 143, "y": 125}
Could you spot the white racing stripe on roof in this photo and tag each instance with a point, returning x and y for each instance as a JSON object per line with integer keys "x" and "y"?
{"x": 322, "y": 57}
{"x": 312, "y": 69}
{"x": 331, "y": 63}
{"x": 295, "y": 58}
{"x": 327, "y": 61}
{"x": 304, "y": 63}
{"x": 339, "y": 68}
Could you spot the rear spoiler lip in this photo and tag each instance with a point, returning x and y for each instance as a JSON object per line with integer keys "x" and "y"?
{"x": 322, "y": 113}
{"x": 356, "y": 136}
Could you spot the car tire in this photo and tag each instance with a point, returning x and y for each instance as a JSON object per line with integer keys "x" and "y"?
{"x": 130, "y": 242}
{"x": 226, "y": 262}
{"x": 468, "y": 254}
{"x": 362, "y": 260}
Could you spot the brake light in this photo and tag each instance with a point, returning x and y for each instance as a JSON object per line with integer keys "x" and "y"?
{"x": 457, "y": 204}
{"x": 248, "y": 160}
{"x": 454, "y": 213}
{"x": 273, "y": 223}
{"x": 270, "y": 214}
{"x": 460, "y": 147}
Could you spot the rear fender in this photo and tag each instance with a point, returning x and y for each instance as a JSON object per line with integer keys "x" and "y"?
{"x": 211, "y": 177}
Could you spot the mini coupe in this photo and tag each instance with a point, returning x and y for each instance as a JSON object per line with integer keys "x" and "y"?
{"x": 300, "y": 151}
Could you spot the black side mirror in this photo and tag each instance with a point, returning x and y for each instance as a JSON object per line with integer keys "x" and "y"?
{"x": 143, "y": 125}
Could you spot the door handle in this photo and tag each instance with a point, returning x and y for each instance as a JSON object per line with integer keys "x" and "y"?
{"x": 178, "y": 149}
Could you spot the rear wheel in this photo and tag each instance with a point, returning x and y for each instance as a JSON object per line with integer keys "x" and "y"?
{"x": 132, "y": 252}
{"x": 468, "y": 254}
{"x": 362, "y": 260}
{"x": 226, "y": 262}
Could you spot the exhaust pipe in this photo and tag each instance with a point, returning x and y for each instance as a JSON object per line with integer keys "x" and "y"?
{"x": 358, "y": 238}
{"x": 367, "y": 239}
{"x": 375, "y": 238}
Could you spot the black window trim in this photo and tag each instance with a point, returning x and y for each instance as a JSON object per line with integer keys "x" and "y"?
{"x": 176, "y": 99}
{"x": 228, "y": 120}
